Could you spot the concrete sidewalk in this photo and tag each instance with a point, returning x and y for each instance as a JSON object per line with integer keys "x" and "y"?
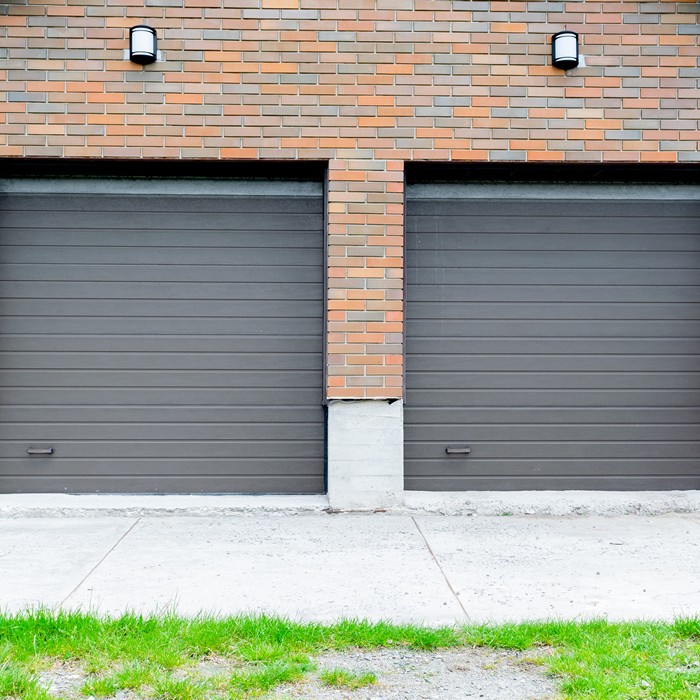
{"x": 315, "y": 566}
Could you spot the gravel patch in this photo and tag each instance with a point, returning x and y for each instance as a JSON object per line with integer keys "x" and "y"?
{"x": 454, "y": 674}
{"x": 445, "y": 674}
{"x": 63, "y": 679}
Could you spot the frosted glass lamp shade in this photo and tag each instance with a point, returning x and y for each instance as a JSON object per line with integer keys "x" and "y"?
{"x": 142, "y": 44}
{"x": 565, "y": 50}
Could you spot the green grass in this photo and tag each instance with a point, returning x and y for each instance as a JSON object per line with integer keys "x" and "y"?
{"x": 172, "y": 658}
{"x": 18, "y": 683}
{"x": 181, "y": 689}
{"x": 340, "y": 678}
{"x": 131, "y": 676}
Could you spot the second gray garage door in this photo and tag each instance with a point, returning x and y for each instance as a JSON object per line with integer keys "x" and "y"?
{"x": 161, "y": 336}
{"x": 553, "y": 337}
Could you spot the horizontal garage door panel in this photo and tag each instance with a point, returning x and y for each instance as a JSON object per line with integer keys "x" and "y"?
{"x": 501, "y": 417}
{"x": 162, "y": 273}
{"x": 558, "y": 339}
{"x": 298, "y": 430}
{"x": 134, "y": 308}
{"x": 570, "y": 241}
{"x": 163, "y": 326}
{"x": 564, "y": 451}
{"x": 545, "y": 259}
{"x": 173, "y": 451}
{"x": 646, "y": 432}
{"x": 163, "y": 255}
{"x": 242, "y": 364}
{"x": 490, "y": 282}
{"x": 176, "y": 292}
{"x": 164, "y": 343}
{"x": 554, "y": 398}
{"x": 173, "y": 222}
{"x": 564, "y": 346}
{"x": 278, "y": 344}
{"x": 107, "y": 237}
{"x": 189, "y": 415}
{"x": 156, "y": 397}
{"x": 173, "y": 212}
{"x": 298, "y": 482}
{"x": 569, "y": 363}
{"x": 233, "y": 379}
{"x": 556, "y": 311}
{"x": 558, "y": 328}
{"x": 546, "y": 215}
{"x": 466, "y": 381}
{"x": 552, "y": 483}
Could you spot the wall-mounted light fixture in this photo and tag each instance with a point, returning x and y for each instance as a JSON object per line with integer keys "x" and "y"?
{"x": 143, "y": 47}
{"x": 565, "y": 50}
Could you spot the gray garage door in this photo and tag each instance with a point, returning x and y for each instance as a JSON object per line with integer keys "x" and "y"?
{"x": 553, "y": 337}
{"x": 161, "y": 336}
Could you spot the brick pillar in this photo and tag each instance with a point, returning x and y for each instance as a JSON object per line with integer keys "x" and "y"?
{"x": 365, "y": 279}
{"x": 365, "y": 333}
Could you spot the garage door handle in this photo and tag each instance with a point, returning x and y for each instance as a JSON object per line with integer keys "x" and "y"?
{"x": 40, "y": 451}
{"x": 458, "y": 450}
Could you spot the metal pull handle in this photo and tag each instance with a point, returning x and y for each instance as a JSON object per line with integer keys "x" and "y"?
{"x": 40, "y": 451}
{"x": 458, "y": 450}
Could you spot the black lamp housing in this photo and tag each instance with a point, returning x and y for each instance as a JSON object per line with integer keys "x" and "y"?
{"x": 565, "y": 50}
{"x": 143, "y": 44}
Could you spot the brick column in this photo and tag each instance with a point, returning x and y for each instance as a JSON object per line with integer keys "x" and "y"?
{"x": 365, "y": 279}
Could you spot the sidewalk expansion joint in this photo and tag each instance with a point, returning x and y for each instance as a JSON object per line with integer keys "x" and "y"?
{"x": 94, "y": 568}
{"x": 439, "y": 566}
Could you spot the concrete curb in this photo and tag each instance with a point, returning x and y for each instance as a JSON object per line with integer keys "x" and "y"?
{"x": 487, "y": 503}
{"x": 553, "y": 503}
{"x": 120, "y": 505}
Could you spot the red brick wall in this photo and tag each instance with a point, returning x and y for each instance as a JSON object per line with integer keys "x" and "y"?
{"x": 364, "y": 84}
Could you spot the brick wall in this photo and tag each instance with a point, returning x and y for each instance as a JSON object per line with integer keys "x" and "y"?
{"x": 364, "y": 84}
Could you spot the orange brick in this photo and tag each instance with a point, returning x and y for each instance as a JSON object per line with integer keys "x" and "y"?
{"x": 385, "y": 327}
{"x": 365, "y": 360}
{"x": 279, "y": 68}
{"x": 184, "y": 99}
{"x": 365, "y": 337}
{"x": 105, "y": 98}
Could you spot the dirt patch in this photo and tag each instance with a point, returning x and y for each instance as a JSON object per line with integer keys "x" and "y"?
{"x": 447, "y": 674}
{"x": 63, "y": 679}
{"x": 455, "y": 674}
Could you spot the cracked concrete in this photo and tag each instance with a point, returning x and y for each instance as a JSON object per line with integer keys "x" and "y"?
{"x": 411, "y": 502}
{"x": 315, "y": 566}
{"x": 43, "y": 560}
